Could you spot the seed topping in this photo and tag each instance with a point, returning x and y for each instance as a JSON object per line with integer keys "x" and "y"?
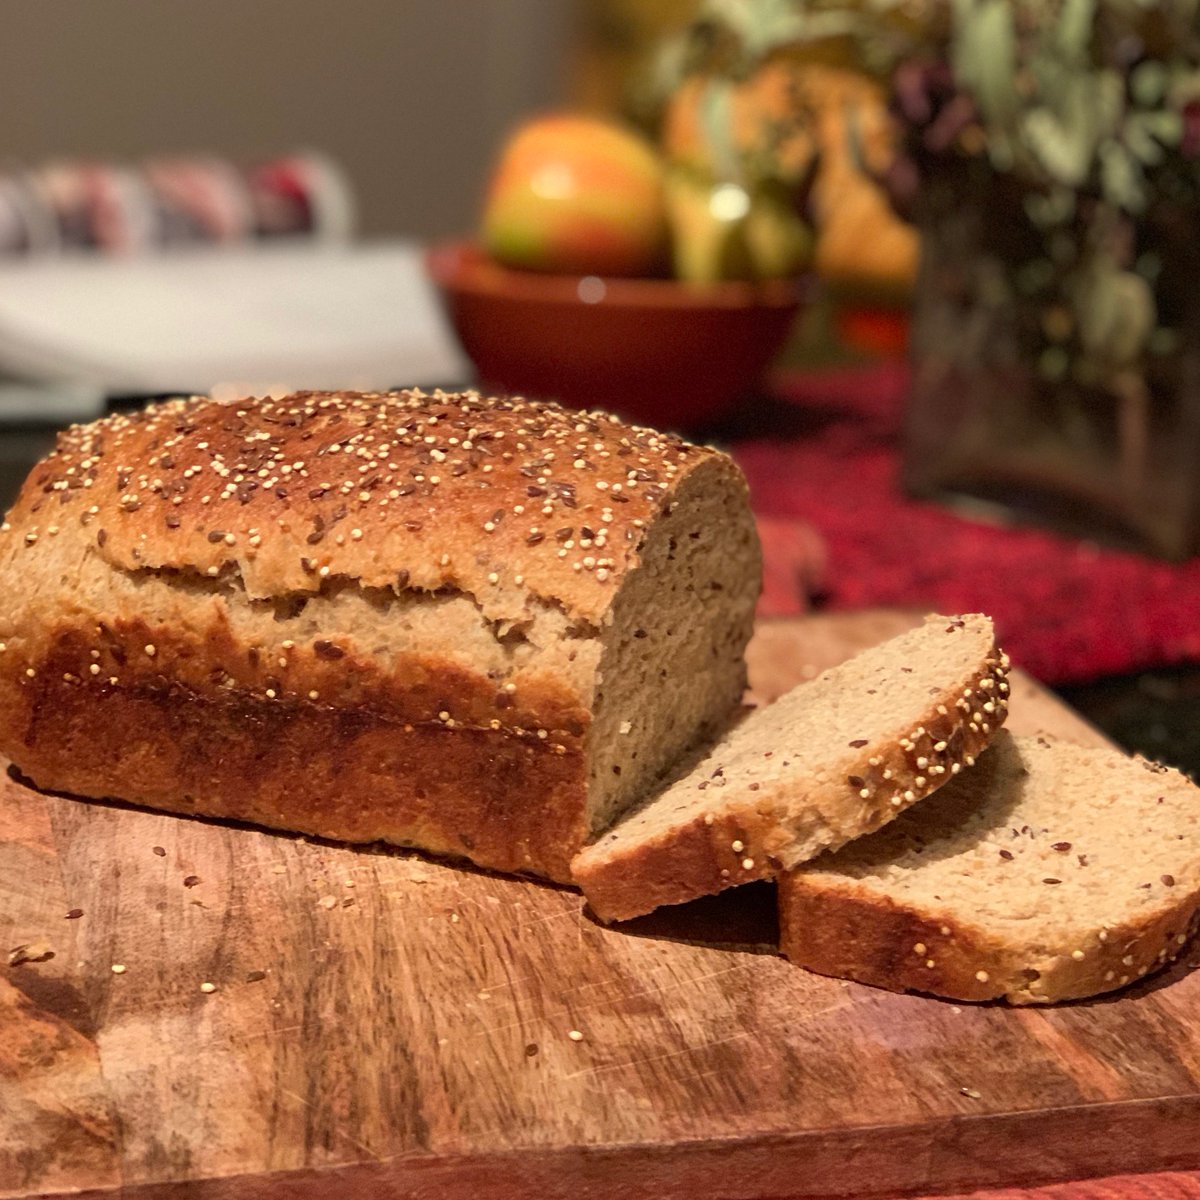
{"x": 365, "y": 476}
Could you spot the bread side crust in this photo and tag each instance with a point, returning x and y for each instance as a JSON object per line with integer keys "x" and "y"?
{"x": 185, "y": 718}
{"x": 834, "y": 926}
{"x": 723, "y": 849}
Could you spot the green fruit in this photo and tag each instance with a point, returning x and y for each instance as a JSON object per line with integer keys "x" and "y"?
{"x": 708, "y": 240}
{"x": 720, "y": 231}
{"x": 780, "y": 243}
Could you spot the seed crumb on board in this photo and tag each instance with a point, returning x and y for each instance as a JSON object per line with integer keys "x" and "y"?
{"x": 575, "y": 1035}
{"x": 191, "y": 881}
{"x": 118, "y": 968}
{"x": 208, "y": 988}
{"x": 970, "y": 1092}
{"x": 160, "y": 851}
{"x": 327, "y": 902}
{"x": 75, "y": 914}
{"x": 255, "y": 976}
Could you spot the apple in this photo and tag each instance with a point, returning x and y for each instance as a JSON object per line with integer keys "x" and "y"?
{"x": 577, "y": 195}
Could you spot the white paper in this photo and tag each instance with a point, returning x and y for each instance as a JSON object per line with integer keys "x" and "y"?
{"x": 277, "y": 317}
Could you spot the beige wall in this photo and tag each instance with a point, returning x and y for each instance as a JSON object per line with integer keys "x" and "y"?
{"x": 411, "y": 96}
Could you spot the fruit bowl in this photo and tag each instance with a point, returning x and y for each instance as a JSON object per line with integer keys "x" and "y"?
{"x": 657, "y": 351}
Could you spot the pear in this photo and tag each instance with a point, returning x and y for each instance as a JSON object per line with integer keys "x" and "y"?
{"x": 722, "y": 230}
{"x": 779, "y": 240}
{"x": 707, "y": 222}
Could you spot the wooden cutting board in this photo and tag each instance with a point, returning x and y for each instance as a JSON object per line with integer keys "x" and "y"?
{"x": 380, "y": 1025}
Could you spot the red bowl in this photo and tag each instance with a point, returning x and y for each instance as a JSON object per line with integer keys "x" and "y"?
{"x": 656, "y": 351}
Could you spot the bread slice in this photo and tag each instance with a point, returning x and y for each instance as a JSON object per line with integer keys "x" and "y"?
{"x": 833, "y": 759}
{"x": 1047, "y": 872}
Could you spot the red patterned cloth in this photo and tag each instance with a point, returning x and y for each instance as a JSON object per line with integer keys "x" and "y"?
{"x": 823, "y": 454}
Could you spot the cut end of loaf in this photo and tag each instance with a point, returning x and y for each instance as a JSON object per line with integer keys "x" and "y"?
{"x": 673, "y": 667}
{"x": 833, "y": 759}
{"x": 1050, "y": 872}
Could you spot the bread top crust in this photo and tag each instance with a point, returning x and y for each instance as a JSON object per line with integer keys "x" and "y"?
{"x": 499, "y": 498}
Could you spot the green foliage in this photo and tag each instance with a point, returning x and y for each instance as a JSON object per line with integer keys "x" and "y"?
{"x": 984, "y": 57}
{"x": 1057, "y": 101}
{"x": 1084, "y": 104}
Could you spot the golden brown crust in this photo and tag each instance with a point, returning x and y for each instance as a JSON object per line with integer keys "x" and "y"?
{"x": 836, "y": 927}
{"x": 375, "y": 767}
{"x": 822, "y": 929}
{"x": 472, "y": 493}
{"x": 735, "y": 844}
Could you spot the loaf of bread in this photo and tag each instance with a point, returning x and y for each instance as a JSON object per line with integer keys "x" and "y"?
{"x": 832, "y": 760}
{"x": 481, "y": 627}
{"x": 1047, "y": 872}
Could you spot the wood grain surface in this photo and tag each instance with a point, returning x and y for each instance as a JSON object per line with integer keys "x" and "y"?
{"x": 382, "y": 1025}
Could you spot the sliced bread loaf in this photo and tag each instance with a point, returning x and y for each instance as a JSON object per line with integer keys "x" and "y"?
{"x": 1047, "y": 872}
{"x": 833, "y": 759}
{"x": 407, "y": 617}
